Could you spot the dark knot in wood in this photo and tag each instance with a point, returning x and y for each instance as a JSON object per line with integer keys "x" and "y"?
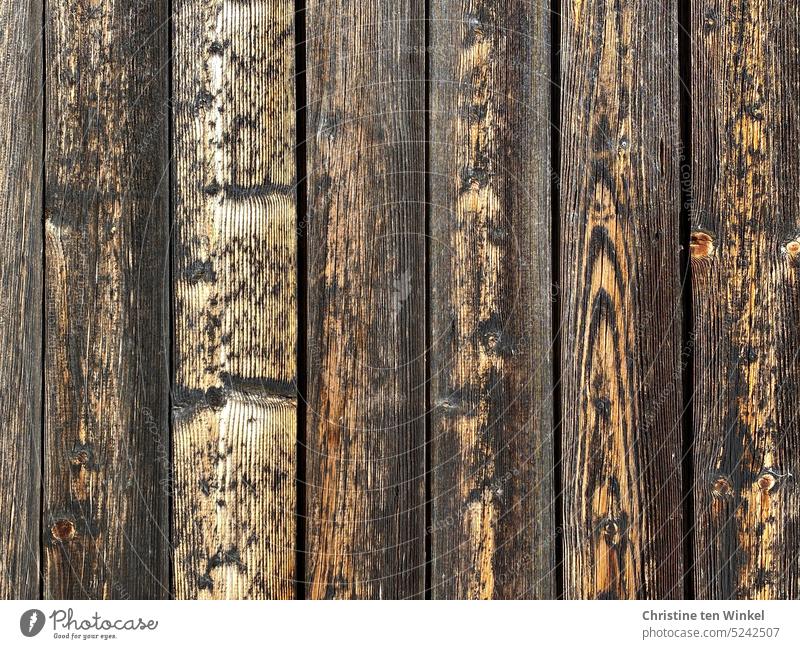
{"x": 63, "y": 530}
{"x": 701, "y": 245}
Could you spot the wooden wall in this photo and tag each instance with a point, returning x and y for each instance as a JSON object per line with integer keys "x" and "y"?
{"x": 476, "y": 299}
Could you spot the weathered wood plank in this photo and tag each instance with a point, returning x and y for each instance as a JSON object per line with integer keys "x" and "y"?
{"x": 746, "y": 275}
{"x": 491, "y": 362}
{"x": 621, "y": 360}
{"x": 21, "y": 296}
{"x": 106, "y": 435}
{"x": 366, "y": 252}
{"x": 235, "y": 268}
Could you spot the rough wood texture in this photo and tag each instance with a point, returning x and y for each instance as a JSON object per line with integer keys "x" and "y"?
{"x": 21, "y": 296}
{"x": 366, "y": 217}
{"x": 105, "y": 529}
{"x": 746, "y": 276}
{"x": 235, "y": 275}
{"x": 621, "y": 355}
{"x": 491, "y": 362}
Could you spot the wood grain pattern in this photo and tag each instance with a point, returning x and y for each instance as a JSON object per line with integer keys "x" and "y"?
{"x": 746, "y": 276}
{"x": 366, "y": 251}
{"x": 491, "y": 360}
{"x": 235, "y": 268}
{"x": 21, "y": 296}
{"x": 621, "y": 360}
{"x": 105, "y": 530}
{"x": 460, "y": 326}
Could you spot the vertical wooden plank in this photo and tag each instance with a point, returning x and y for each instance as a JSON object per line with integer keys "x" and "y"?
{"x": 106, "y": 433}
{"x": 366, "y": 224}
{"x": 746, "y": 278}
{"x": 235, "y": 267}
{"x": 21, "y": 296}
{"x": 621, "y": 361}
{"x": 491, "y": 362}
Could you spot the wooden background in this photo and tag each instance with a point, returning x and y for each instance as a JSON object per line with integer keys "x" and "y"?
{"x": 399, "y": 299}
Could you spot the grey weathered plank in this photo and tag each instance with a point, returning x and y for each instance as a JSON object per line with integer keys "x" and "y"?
{"x": 746, "y": 265}
{"x": 21, "y": 296}
{"x": 621, "y": 326}
{"x": 490, "y": 353}
{"x": 366, "y": 258}
{"x": 106, "y": 244}
{"x": 235, "y": 268}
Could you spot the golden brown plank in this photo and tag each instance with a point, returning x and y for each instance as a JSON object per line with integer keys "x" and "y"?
{"x": 621, "y": 355}
{"x": 106, "y": 433}
{"x": 491, "y": 362}
{"x": 746, "y": 277}
{"x": 20, "y": 296}
{"x": 366, "y": 251}
{"x": 235, "y": 267}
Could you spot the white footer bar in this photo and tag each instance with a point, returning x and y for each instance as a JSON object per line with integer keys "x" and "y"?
{"x": 379, "y": 625}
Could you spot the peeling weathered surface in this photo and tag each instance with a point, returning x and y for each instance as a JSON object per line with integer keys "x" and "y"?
{"x": 621, "y": 358}
{"x": 105, "y": 531}
{"x": 21, "y": 296}
{"x": 235, "y": 267}
{"x": 746, "y": 144}
{"x": 366, "y": 225}
{"x": 491, "y": 361}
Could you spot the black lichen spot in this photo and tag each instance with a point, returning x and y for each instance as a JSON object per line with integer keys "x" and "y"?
{"x": 216, "y": 398}
{"x": 476, "y": 112}
{"x": 748, "y": 355}
{"x": 203, "y": 100}
{"x": 498, "y": 235}
{"x": 494, "y": 338}
{"x": 763, "y": 578}
{"x": 212, "y": 189}
{"x": 82, "y": 456}
{"x": 603, "y": 407}
{"x": 200, "y": 270}
{"x": 243, "y": 192}
{"x": 602, "y": 139}
{"x": 230, "y": 557}
{"x": 204, "y": 582}
{"x": 712, "y": 20}
{"x": 330, "y": 124}
{"x": 205, "y": 487}
{"x": 474, "y": 178}
{"x": 216, "y": 48}
{"x": 323, "y": 182}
